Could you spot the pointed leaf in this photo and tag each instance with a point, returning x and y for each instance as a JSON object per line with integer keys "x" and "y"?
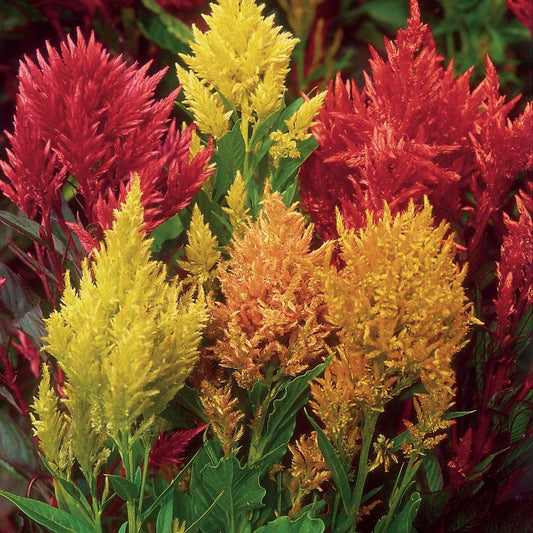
{"x": 56, "y": 520}
{"x": 283, "y": 524}
{"x": 125, "y": 489}
{"x": 240, "y": 487}
{"x": 335, "y": 466}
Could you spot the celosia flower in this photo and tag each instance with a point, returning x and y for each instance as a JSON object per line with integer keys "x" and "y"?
{"x": 415, "y": 130}
{"x": 308, "y": 470}
{"x": 50, "y": 426}
{"x": 272, "y": 321}
{"x": 222, "y": 409}
{"x": 169, "y": 450}
{"x": 82, "y": 112}
{"x": 127, "y": 339}
{"x": 242, "y": 56}
{"x": 200, "y": 253}
{"x": 297, "y": 129}
{"x": 523, "y": 10}
{"x": 515, "y": 272}
{"x": 401, "y": 311}
{"x": 236, "y": 199}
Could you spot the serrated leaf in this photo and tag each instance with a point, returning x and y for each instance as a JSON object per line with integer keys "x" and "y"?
{"x": 240, "y": 488}
{"x": 56, "y": 520}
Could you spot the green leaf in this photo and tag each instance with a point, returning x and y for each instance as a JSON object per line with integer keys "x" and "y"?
{"x": 167, "y": 490}
{"x": 264, "y": 129}
{"x": 228, "y": 157}
{"x": 125, "y": 489}
{"x": 520, "y": 420}
{"x": 432, "y": 471}
{"x": 240, "y": 488}
{"x": 336, "y": 468}
{"x": 175, "y": 26}
{"x": 71, "y": 499}
{"x": 17, "y": 455}
{"x": 283, "y": 524}
{"x": 56, "y": 520}
{"x": 165, "y": 515}
{"x": 281, "y": 420}
{"x": 403, "y": 523}
{"x": 168, "y": 230}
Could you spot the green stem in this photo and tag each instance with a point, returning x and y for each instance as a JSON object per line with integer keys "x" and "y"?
{"x": 127, "y": 459}
{"x": 147, "y": 449}
{"x": 368, "y": 424}
{"x": 398, "y": 494}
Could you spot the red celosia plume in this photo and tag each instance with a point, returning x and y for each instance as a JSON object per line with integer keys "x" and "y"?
{"x": 83, "y": 114}
{"x": 415, "y": 130}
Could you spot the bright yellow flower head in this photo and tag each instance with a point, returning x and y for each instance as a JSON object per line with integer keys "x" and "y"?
{"x": 244, "y": 56}
{"x": 127, "y": 339}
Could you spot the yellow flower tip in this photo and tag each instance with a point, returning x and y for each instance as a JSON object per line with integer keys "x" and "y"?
{"x": 236, "y": 199}
{"x": 298, "y": 126}
{"x": 201, "y": 255}
{"x": 243, "y": 55}
{"x": 50, "y": 426}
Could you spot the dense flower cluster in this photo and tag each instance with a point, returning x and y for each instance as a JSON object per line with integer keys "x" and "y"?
{"x": 92, "y": 120}
{"x": 272, "y": 322}
{"x": 402, "y": 315}
{"x": 415, "y": 130}
{"x": 125, "y": 341}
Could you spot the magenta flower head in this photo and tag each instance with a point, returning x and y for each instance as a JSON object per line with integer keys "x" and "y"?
{"x": 92, "y": 119}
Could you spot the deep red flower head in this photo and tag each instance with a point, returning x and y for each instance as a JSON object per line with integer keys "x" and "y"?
{"x": 82, "y": 113}
{"x": 169, "y": 449}
{"x": 414, "y": 130}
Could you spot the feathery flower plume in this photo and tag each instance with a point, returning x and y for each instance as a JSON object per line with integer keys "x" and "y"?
{"x": 273, "y": 319}
{"x": 50, "y": 426}
{"x": 308, "y": 470}
{"x": 515, "y": 271}
{"x": 243, "y": 58}
{"x": 401, "y": 311}
{"x": 297, "y": 129}
{"x": 200, "y": 253}
{"x": 81, "y": 112}
{"x": 127, "y": 339}
{"x": 415, "y": 130}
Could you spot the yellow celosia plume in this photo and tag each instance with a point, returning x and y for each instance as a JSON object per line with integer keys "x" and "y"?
{"x": 201, "y": 255}
{"x": 298, "y": 126}
{"x": 244, "y": 57}
{"x": 127, "y": 339}
{"x": 401, "y": 310}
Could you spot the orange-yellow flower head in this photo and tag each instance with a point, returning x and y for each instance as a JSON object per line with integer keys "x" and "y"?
{"x": 401, "y": 311}
{"x": 273, "y": 319}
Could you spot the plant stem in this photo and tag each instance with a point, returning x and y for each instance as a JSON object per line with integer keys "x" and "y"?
{"x": 368, "y": 424}
{"x": 398, "y": 493}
